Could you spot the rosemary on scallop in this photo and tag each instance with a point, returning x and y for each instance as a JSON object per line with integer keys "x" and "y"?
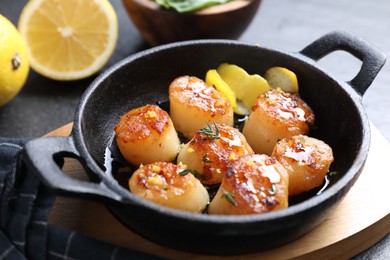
{"x": 229, "y": 197}
{"x": 206, "y": 159}
{"x": 193, "y": 172}
{"x": 310, "y": 125}
{"x": 211, "y": 133}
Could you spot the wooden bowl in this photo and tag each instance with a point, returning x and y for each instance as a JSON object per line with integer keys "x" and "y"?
{"x": 158, "y": 26}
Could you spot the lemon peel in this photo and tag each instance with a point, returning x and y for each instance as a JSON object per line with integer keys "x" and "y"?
{"x": 283, "y": 78}
{"x": 245, "y": 87}
{"x": 14, "y": 64}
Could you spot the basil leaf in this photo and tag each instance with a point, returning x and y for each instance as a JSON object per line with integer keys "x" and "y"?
{"x": 183, "y": 6}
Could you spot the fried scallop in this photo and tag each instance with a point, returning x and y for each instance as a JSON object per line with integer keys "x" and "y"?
{"x": 306, "y": 159}
{"x": 193, "y": 103}
{"x": 147, "y": 134}
{"x": 211, "y": 149}
{"x": 253, "y": 184}
{"x": 276, "y": 115}
{"x": 169, "y": 185}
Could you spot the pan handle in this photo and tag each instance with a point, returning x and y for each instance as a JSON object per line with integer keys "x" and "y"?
{"x": 372, "y": 59}
{"x": 44, "y": 156}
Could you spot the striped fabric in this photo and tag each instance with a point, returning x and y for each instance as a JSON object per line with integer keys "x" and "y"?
{"x": 24, "y": 207}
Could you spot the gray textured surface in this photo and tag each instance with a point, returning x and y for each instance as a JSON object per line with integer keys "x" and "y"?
{"x": 44, "y": 105}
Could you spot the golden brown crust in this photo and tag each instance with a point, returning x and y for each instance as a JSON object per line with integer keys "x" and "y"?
{"x": 195, "y": 93}
{"x": 218, "y": 153}
{"x": 285, "y": 108}
{"x": 162, "y": 177}
{"x": 142, "y": 123}
{"x": 258, "y": 184}
{"x": 306, "y": 159}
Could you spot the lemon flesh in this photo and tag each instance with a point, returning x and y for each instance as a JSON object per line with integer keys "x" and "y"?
{"x": 14, "y": 64}
{"x": 214, "y": 79}
{"x": 283, "y": 78}
{"x": 68, "y": 39}
{"x": 245, "y": 87}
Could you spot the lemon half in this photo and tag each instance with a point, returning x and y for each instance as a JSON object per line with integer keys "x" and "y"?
{"x": 14, "y": 65}
{"x": 68, "y": 39}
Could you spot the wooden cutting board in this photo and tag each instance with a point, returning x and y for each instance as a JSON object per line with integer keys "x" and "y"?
{"x": 360, "y": 220}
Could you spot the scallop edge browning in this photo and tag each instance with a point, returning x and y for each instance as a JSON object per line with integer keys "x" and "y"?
{"x": 276, "y": 115}
{"x": 211, "y": 150}
{"x": 253, "y": 184}
{"x": 168, "y": 184}
{"x": 193, "y": 103}
{"x": 306, "y": 159}
{"x": 147, "y": 134}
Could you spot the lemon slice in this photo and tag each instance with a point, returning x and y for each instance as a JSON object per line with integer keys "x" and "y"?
{"x": 68, "y": 39}
{"x": 214, "y": 79}
{"x": 283, "y": 78}
{"x": 245, "y": 87}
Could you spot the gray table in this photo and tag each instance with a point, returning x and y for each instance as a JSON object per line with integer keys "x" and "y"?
{"x": 44, "y": 105}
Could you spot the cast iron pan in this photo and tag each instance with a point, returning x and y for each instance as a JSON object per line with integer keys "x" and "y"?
{"x": 144, "y": 78}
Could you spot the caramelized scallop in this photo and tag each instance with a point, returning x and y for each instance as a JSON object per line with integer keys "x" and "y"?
{"x": 306, "y": 159}
{"x": 211, "y": 149}
{"x": 276, "y": 115}
{"x": 147, "y": 134}
{"x": 193, "y": 103}
{"x": 253, "y": 184}
{"x": 169, "y": 185}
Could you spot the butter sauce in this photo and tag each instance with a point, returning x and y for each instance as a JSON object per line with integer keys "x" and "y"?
{"x": 118, "y": 168}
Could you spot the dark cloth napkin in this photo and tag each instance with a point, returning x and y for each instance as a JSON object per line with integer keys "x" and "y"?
{"x": 25, "y": 204}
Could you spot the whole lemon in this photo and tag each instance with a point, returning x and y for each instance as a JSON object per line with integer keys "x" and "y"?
{"x": 14, "y": 64}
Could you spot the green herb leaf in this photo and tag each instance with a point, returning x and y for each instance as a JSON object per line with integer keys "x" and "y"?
{"x": 206, "y": 159}
{"x": 185, "y": 172}
{"x": 211, "y": 133}
{"x": 310, "y": 125}
{"x": 273, "y": 189}
{"x": 183, "y": 6}
{"x": 229, "y": 197}
{"x": 193, "y": 172}
{"x": 332, "y": 173}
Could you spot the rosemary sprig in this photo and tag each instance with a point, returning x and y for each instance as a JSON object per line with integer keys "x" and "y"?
{"x": 193, "y": 172}
{"x": 206, "y": 159}
{"x": 211, "y": 133}
{"x": 229, "y": 197}
{"x": 310, "y": 125}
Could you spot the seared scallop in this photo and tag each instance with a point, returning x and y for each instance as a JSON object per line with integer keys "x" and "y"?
{"x": 306, "y": 159}
{"x": 193, "y": 103}
{"x": 276, "y": 115}
{"x": 211, "y": 149}
{"x": 169, "y": 185}
{"x": 252, "y": 184}
{"x": 146, "y": 134}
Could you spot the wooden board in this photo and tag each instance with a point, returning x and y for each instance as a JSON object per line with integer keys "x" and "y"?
{"x": 359, "y": 221}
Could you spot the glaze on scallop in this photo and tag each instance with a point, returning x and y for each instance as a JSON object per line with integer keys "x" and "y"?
{"x": 306, "y": 159}
{"x": 147, "y": 134}
{"x": 211, "y": 149}
{"x": 169, "y": 185}
{"x": 253, "y": 184}
{"x": 193, "y": 103}
{"x": 276, "y": 115}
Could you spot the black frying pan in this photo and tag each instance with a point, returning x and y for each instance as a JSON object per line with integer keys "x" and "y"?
{"x": 144, "y": 78}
